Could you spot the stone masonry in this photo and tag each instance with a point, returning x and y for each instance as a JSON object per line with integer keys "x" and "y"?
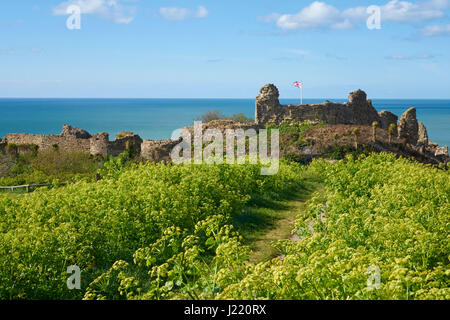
{"x": 75, "y": 139}
{"x": 358, "y": 110}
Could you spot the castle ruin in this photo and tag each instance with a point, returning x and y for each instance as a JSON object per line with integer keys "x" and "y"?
{"x": 75, "y": 139}
{"x": 357, "y": 111}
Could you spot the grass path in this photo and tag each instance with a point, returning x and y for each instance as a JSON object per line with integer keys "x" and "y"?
{"x": 271, "y": 220}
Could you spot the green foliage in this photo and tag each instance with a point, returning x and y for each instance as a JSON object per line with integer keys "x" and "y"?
{"x": 240, "y": 117}
{"x": 150, "y": 206}
{"x": 158, "y": 231}
{"x": 211, "y": 115}
{"x": 46, "y": 167}
{"x": 294, "y": 128}
{"x": 292, "y": 138}
{"x": 391, "y": 131}
{"x": 378, "y": 210}
{"x": 183, "y": 263}
{"x": 356, "y": 133}
{"x": 375, "y": 125}
{"x": 113, "y": 166}
{"x": 11, "y": 147}
{"x": 340, "y": 152}
{"x": 296, "y": 157}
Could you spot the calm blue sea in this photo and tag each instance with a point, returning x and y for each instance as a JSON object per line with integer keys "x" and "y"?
{"x": 157, "y": 118}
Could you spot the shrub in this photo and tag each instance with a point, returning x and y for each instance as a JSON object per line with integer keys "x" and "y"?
{"x": 47, "y": 166}
{"x": 375, "y": 125}
{"x": 210, "y": 116}
{"x": 217, "y": 115}
{"x": 93, "y": 225}
{"x": 377, "y": 211}
{"x": 391, "y": 131}
{"x": 356, "y": 133}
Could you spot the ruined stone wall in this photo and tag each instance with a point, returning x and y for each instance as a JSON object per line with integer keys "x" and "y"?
{"x": 223, "y": 125}
{"x": 387, "y": 118}
{"x": 157, "y": 150}
{"x": 48, "y": 142}
{"x": 74, "y": 139}
{"x": 98, "y": 144}
{"x": 124, "y": 141}
{"x": 408, "y": 127}
{"x": 358, "y": 110}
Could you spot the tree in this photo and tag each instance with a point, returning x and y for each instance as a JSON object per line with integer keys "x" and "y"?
{"x": 210, "y": 115}
{"x": 217, "y": 115}
{"x": 240, "y": 117}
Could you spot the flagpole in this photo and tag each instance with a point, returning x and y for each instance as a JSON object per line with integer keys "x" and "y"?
{"x": 301, "y": 94}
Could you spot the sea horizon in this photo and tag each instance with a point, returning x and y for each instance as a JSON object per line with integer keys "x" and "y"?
{"x": 201, "y": 98}
{"x": 157, "y": 118}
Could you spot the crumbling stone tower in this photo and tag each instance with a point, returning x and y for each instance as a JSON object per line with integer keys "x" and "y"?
{"x": 99, "y": 144}
{"x": 408, "y": 127}
{"x": 267, "y": 103}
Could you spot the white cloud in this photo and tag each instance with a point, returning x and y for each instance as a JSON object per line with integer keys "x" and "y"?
{"x": 321, "y": 15}
{"x": 403, "y": 11}
{"x": 179, "y": 14}
{"x": 436, "y": 30}
{"x": 299, "y": 52}
{"x": 423, "y": 56}
{"x": 270, "y": 18}
{"x": 175, "y": 13}
{"x": 396, "y": 58}
{"x": 108, "y": 9}
{"x": 316, "y": 15}
{"x": 438, "y": 4}
{"x": 355, "y": 14}
{"x": 344, "y": 25}
{"x": 201, "y": 12}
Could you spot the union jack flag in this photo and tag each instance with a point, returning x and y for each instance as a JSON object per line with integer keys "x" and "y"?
{"x": 298, "y": 84}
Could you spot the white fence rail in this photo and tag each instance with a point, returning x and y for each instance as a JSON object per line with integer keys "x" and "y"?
{"x": 29, "y": 187}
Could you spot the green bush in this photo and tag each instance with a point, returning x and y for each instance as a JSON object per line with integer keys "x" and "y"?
{"x": 93, "y": 225}
{"x": 211, "y": 115}
{"x": 377, "y": 211}
{"x": 164, "y": 232}
{"x": 46, "y": 167}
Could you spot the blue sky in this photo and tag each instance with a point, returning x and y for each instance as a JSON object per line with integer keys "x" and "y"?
{"x": 224, "y": 49}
